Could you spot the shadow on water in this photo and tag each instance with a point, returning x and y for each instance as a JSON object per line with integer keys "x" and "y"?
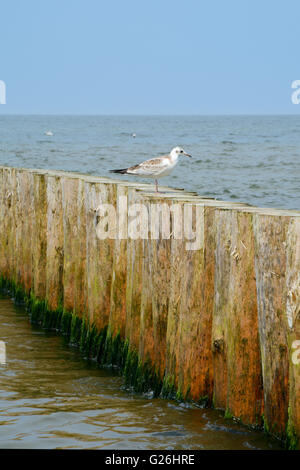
{"x": 51, "y": 397}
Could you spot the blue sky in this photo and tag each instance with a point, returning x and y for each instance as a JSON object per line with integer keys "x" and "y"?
{"x": 149, "y": 56}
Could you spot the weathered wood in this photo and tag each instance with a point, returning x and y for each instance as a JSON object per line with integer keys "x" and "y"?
{"x": 293, "y": 323}
{"x": 39, "y": 235}
{"x": 217, "y": 321}
{"x": 117, "y": 315}
{"x": 235, "y": 340}
{"x": 55, "y": 243}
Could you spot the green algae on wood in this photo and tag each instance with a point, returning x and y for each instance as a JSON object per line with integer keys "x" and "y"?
{"x": 212, "y": 326}
{"x": 109, "y": 351}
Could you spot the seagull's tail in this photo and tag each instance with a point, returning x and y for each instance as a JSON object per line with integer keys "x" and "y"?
{"x": 122, "y": 171}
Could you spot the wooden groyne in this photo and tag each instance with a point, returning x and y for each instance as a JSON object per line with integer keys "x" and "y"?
{"x": 214, "y": 320}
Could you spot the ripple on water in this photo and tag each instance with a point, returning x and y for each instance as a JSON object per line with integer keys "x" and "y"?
{"x": 56, "y": 399}
{"x": 266, "y": 144}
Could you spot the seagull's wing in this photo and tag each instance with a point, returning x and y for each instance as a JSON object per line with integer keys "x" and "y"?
{"x": 150, "y": 167}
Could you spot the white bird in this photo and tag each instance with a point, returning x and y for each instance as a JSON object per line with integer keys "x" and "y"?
{"x": 49, "y": 133}
{"x": 155, "y": 167}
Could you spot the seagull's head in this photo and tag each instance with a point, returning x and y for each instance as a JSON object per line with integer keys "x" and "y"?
{"x": 178, "y": 151}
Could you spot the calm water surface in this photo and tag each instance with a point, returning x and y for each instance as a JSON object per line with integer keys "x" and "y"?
{"x": 51, "y": 397}
{"x": 253, "y": 159}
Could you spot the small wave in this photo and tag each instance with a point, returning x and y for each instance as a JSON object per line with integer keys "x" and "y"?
{"x": 169, "y": 433}
{"x": 127, "y": 134}
{"x": 250, "y": 446}
{"x": 215, "y": 427}
{"x": 262, "y": 165}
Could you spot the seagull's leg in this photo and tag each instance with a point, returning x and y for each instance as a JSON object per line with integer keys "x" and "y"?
{"x": 156, "y": 186}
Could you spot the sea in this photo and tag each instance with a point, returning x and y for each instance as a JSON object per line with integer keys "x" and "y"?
{"x": 251, "y": 159}
{"x": 50, "y": 395}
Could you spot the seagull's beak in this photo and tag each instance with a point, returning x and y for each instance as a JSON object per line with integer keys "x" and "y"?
{"x": 187, "y": 154}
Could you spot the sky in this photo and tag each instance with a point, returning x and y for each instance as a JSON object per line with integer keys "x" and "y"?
{"x": 149, "y": 56}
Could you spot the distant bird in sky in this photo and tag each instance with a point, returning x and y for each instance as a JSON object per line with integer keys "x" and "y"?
{"x": 49, "y": 133}
{"x": 155, "y": 167}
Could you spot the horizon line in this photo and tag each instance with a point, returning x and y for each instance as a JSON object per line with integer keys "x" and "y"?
{"x": 148, "y": 115}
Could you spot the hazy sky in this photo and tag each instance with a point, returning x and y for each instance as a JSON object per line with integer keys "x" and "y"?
{"x": 149, "y": 56}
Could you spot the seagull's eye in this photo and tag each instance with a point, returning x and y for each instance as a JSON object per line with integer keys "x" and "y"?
{"x": 181, "y": 151}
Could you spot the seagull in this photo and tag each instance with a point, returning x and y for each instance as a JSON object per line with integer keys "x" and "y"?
{"x": 155, "y": 167}
{"x": 49, "y": 133}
